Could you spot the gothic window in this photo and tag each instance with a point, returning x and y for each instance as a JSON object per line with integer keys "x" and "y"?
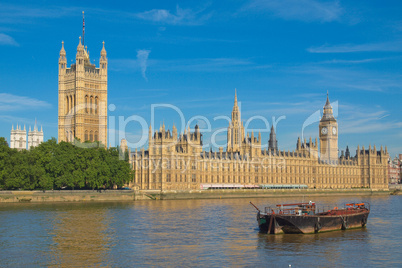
{"x": 193, "y": 178}
{"x": 91, "y": 136}
{"x": 67, "y": 105}
{"x": 96, "y": 136}
{"x": 91, "y": 111}
{"x": 86, "y": 104}
{"x": 86, "y": 135}
{"x": 96, "y": 105}
{"x": 168, "y": 178}
{"x": 71, "y": 102}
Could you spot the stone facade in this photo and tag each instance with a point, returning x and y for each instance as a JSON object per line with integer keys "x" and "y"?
{"x": 177, "y": 162}
{"x": 83, "y": 97}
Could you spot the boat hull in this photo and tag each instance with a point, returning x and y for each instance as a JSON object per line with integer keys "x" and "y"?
{"x": 304, "y": 224}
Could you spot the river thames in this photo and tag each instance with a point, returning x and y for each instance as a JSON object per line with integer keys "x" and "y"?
{"x": 203, "y": 233}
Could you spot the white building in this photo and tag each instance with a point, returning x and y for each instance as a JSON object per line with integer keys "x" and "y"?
{"x": 18, "y": 137}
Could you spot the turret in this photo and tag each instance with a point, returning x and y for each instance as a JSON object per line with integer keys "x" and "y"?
{"x": 80, "y": 57}
{"x": 347, "y": 153}
{"x": 62, "y": 60}
{"x": 103, "y": 62}
{"x": 174, "y": 133}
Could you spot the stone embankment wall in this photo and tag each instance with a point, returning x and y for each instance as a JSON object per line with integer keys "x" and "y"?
{"x": 395, "y": 189}
{"x": 131, "y": 195}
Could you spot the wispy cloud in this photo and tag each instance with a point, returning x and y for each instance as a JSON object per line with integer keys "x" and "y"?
{"x": 179, "y": 17}
{"x": 361, "y": 120}
{"x": 347, "y": 78}
{"x": 24, "y": 14}
{"x": 336, "y": 61}
{"x": 10, "y": 102}
{"x": 304, "y": 10}
{"x": 7, "y": 40}
{"x": 142, "y": 57}
{"x": 395, "y": 46}
{"x": 192, "y": 65}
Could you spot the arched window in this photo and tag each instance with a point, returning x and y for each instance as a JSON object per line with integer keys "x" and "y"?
{"x": 96, "y": 136}
{"x": 86, "y": 104}
{"x": 67, "y": 105}
{"x": 67, "y": 136}
{"x": 96, "y": 105}
{"x": 71, "y": 103}
{"x": 92, "y": 98}
{"x": 91, "y": 136}
{"x": 86, "y": 135}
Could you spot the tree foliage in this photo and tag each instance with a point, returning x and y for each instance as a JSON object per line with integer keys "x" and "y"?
{"x": 62, "y": 165}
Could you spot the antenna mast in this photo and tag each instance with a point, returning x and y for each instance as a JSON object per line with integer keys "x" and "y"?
{"x": 83, "y": 29}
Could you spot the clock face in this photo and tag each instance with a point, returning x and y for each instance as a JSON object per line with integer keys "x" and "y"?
{"x": 334, "y": 130}
{"x": 324, "y": 131}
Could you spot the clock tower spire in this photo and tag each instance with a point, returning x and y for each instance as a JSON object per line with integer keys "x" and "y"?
{"x": 328, "y": 128}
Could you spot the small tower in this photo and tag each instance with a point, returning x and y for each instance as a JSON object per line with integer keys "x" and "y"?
{"x": 347, "y": 153}
{"x": 273, "y": 143}
{"x": 328, "y": 128}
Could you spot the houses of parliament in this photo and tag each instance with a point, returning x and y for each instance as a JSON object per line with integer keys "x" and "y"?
{"x": 176, "y": 161}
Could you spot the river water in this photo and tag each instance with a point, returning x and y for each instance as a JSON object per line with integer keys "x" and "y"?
{"x": 183, "y": 233}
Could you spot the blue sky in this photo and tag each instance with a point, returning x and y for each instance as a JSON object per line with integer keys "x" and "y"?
{"x": 281, "y": 56}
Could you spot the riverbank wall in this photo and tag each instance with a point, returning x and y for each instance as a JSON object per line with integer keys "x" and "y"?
{"x": 131, "y": 195}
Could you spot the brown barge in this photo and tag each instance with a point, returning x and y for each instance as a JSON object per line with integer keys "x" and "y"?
{"x": 302, "y": 218}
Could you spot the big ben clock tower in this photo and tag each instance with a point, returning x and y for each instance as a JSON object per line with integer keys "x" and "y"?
{"x": 328, "y": 128}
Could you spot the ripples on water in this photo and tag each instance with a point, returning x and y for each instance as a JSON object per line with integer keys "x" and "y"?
{"x": 208, "y": 233}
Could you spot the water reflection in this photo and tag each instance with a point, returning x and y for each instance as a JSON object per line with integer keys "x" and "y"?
{"x": 81, "y": 235}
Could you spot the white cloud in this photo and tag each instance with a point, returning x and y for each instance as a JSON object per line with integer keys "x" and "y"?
{"x": 395, "y": 46}
{"x": 7, "y": 40}
{"x": 142, "y": 58}
{"x": 10, "y": 102}
{"x": 180, "y": 17}
{"x": 304, "y": 10}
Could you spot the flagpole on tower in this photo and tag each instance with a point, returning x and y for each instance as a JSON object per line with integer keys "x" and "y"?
{"x": 83, "y": 29}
